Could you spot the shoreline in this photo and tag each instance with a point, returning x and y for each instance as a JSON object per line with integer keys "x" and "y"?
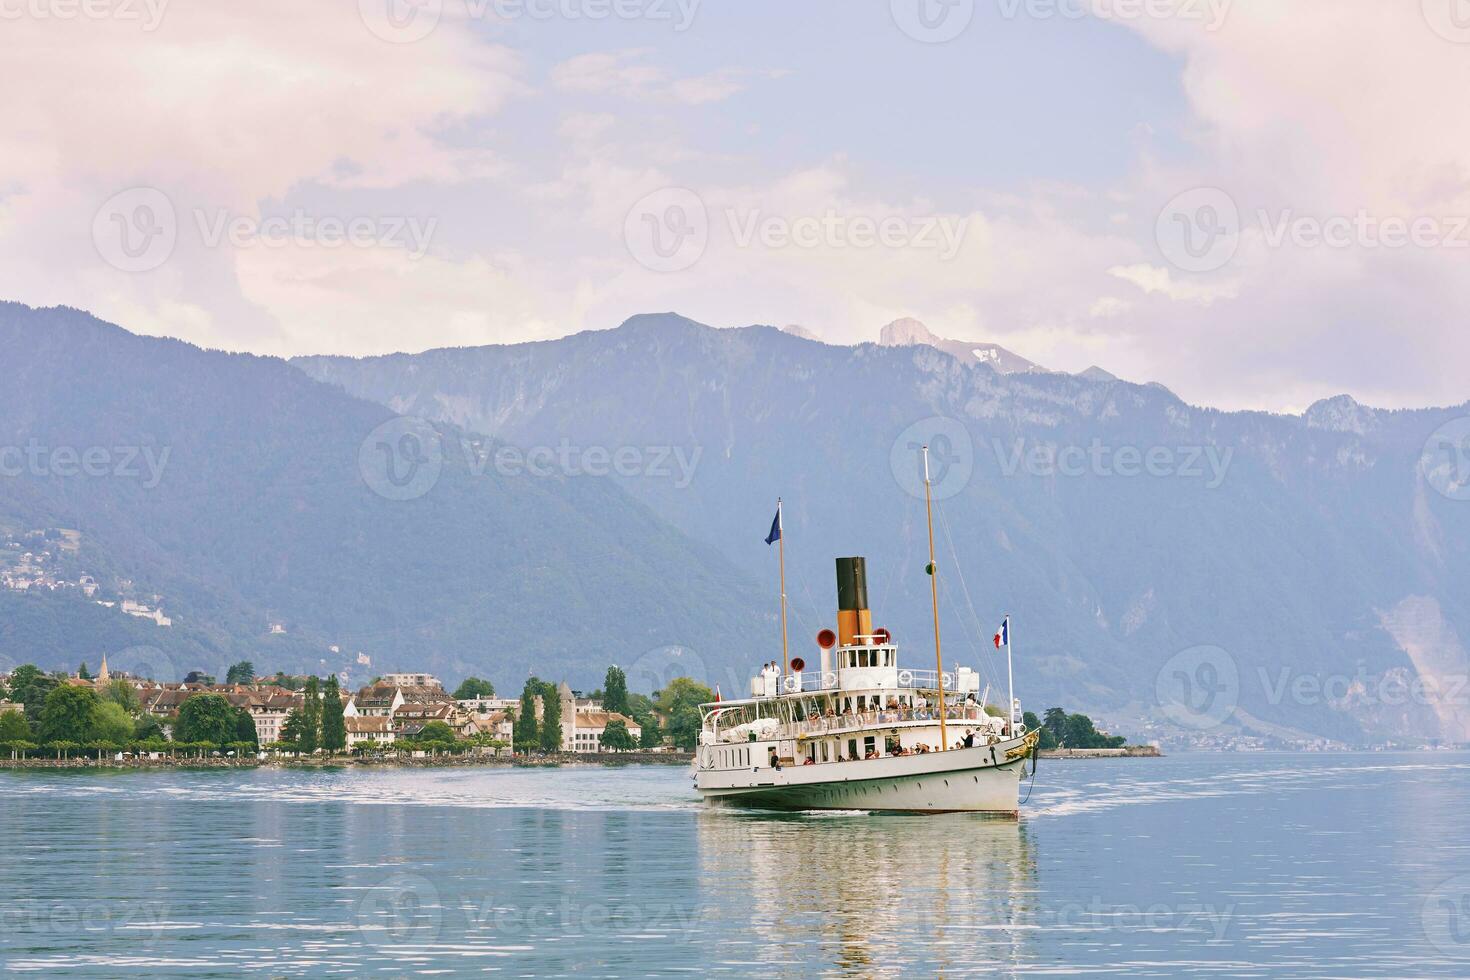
{"x": 558, "y": 761}
{"x": 1127, "y": 752}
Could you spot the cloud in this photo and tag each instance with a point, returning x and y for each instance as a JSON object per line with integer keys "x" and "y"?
{"x": 222, "y": 107}
{"x": 627, "y": 74}
{"x": 1157, "y": 279}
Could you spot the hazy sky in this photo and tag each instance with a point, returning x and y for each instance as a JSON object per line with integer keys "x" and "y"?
{"x": 1257, "y": 203}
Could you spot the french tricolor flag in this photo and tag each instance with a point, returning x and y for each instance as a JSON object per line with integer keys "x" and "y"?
{"x": 1003, "y": 635}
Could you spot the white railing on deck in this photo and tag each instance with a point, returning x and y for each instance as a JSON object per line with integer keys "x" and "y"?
{"x": 816, "y": 681}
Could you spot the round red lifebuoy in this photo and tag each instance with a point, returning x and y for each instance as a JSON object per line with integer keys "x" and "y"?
{"x": 826, "y": 639}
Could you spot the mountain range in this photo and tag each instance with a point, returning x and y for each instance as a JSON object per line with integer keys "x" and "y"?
{"x": 276, "y": 502}
{"x": 1305, "y": 566}
{"x": 561, "y": 505}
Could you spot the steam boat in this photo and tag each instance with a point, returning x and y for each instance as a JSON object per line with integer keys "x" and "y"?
{"x": 862, "y": 732}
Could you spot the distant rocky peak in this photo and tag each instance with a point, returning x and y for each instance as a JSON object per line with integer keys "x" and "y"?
{"x": 908, "y": 332}
{"x": 797, "y": 330}
{"x": 1341, "y": 414}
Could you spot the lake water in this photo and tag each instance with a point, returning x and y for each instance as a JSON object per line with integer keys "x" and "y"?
{"x": 1244, "y": 865}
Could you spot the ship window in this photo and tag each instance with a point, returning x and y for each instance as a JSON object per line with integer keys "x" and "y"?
{"x": 852, "y": 752}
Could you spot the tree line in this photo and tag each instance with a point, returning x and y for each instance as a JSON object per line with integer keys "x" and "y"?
{"x": 676, "y": 705}
{"x": 1060, "y": 730}
{"x": 63, "y": 718}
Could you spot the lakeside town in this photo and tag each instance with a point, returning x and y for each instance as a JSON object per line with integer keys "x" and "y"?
{"x": 84, "y": 717}
{"x": 409, "y": 715}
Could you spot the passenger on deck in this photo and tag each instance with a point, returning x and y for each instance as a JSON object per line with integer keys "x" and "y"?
{"x": 969, "y": 741}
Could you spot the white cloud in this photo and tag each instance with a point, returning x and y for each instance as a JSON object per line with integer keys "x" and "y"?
{"x": 1157, "y": 279}
{"x": 627, "y": 74}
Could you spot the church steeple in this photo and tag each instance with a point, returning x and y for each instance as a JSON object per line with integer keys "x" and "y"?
{"x": 102, "y": 676}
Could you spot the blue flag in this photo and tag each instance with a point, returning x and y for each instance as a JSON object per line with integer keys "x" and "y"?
{"x": 775, "y": 534}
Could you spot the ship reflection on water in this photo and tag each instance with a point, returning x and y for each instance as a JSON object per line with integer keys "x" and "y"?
{"x": 872, "y": 895}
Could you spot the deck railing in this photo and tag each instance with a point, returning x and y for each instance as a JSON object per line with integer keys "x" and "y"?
{"x": 816, "y": 681}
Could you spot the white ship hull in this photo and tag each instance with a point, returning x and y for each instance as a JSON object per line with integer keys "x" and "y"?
{"x": 983, "y": 779}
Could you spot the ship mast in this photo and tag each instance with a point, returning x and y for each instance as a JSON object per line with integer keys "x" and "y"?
{"x": 933, "y": 571}
{"x": 781, "y": 549}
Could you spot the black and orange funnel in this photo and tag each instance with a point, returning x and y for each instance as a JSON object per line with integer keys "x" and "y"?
{"x": 853, "y": 617}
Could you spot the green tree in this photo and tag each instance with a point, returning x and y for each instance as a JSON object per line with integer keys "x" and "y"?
{"x": 29, "y": 685}
{"x": 241, "y": 673}
{"x": 679, "y": 702}
{"x": 617, "y": 737}
{"x": 245, "y": 728}
{"x": 293, "y": 729}
{"x": 1055, "y": 721}
{"x": 205, "y": 718}
{"x": 474, "y": 687}
{"x": 525, "y": 727}
{"x": 550, "y": 733}
{"x": 311, "y": 717}
{"x": 83, "y": 673}
{"x": 122, "y": 694}
{"x": 615, "y": 691}
{"x": 147, "y": 729}
{"x": 1079, "y": 733}
{"x": 651, "y": 736}
{"x": 110, "y": 724}
{"x": 436, "y": 731}
{"x": 334, "y": 725}
{"x": 67, "y": 714}
{"x": 14, "y": 727}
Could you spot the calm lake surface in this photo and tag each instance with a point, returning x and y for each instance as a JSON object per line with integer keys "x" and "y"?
{"x": 1243, "y": 865}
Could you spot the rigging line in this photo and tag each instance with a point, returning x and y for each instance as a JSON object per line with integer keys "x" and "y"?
{"x": 960, "y": 574}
